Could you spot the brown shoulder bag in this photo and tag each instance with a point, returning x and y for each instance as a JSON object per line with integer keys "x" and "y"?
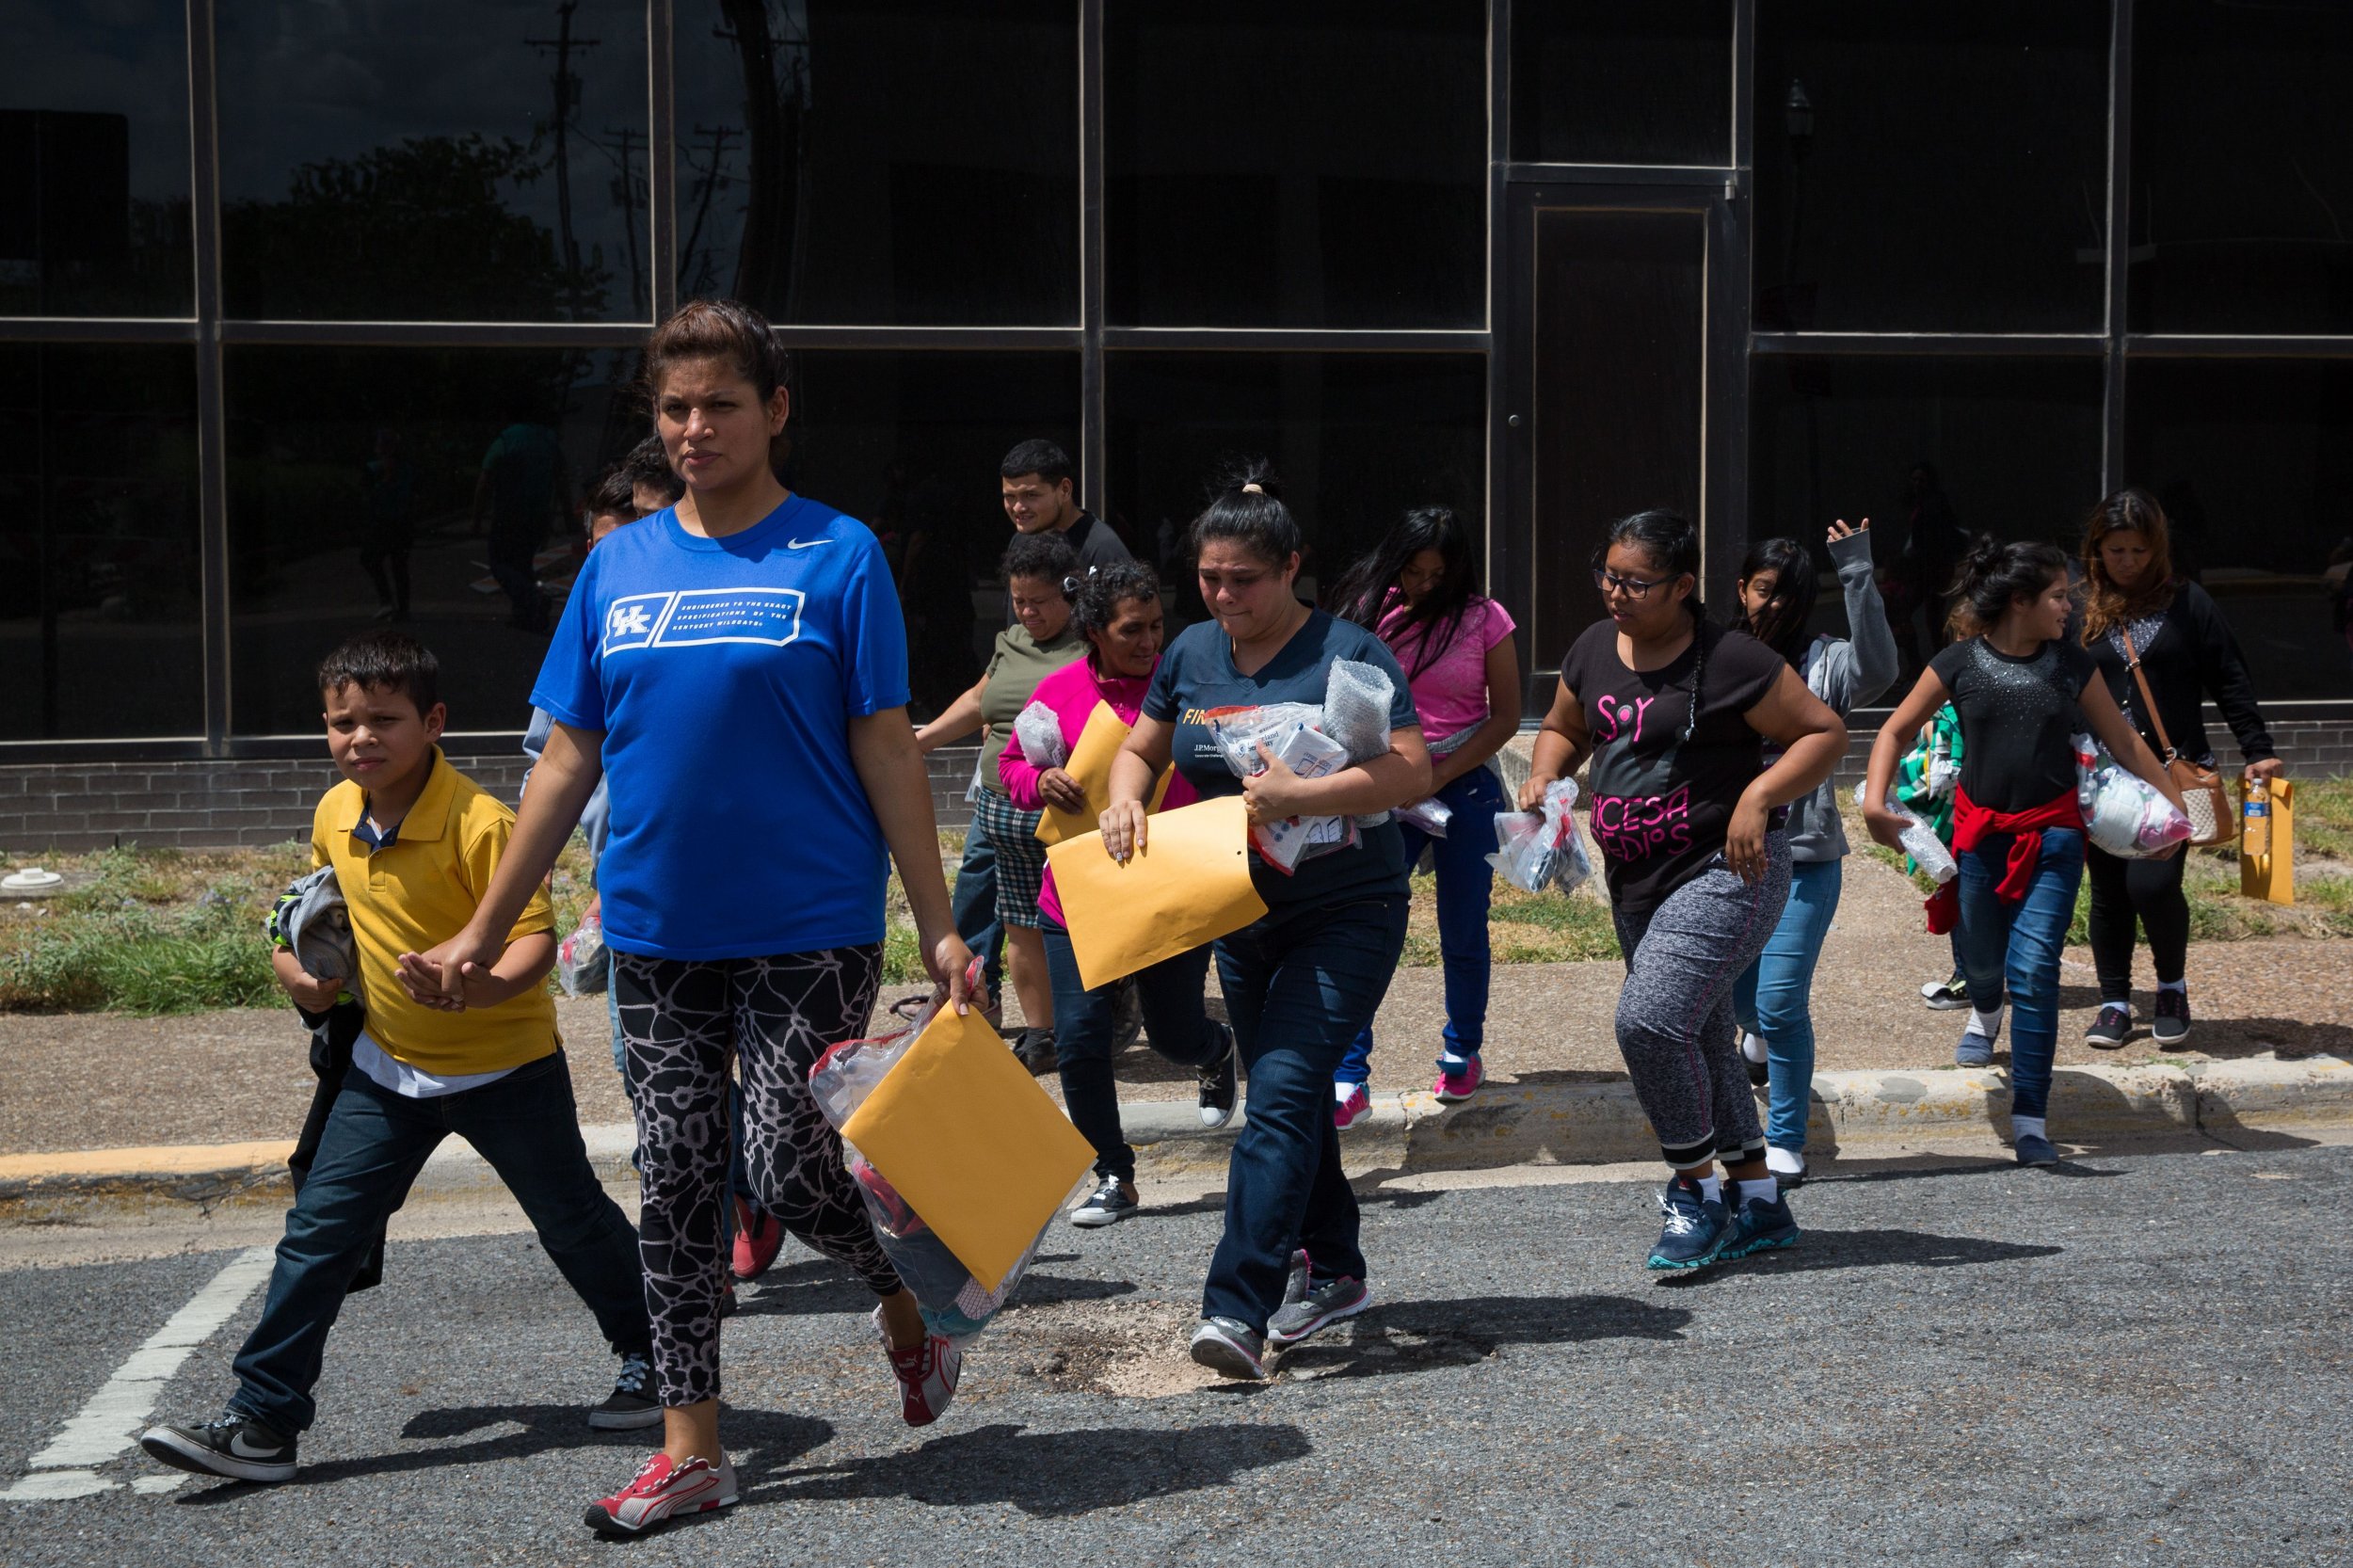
{"x": 2211, "y": 819}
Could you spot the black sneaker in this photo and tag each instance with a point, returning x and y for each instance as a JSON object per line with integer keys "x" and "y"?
{"x": 2107, "y": 1031}
{"x": 1946, "y": 996}
{"x": 1229, "y": 1348}
{"x": 1127, "y": 1014}
{"x": 1037, "y": 1052}
{"x": 235, "y": 1447}
{"x": 1107, "y": 1205}
{"x": 1760, "y": 1227}
{"x": 2171, "y": 1024}
{"x": 631, "y": 1404}
{"x": 1316, "y": 1308}
{"x": 1220, "y": 1083}
{"x": 1694, "y": 1230}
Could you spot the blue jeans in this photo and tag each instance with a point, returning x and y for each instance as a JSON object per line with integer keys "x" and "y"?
{"x": 1774, "y": 998}
{"x": 1465, "y": 887}
{"x": 739, "y": 1180}
{"x": 1299, "y": 982}
{"x": 1173, "y": 1017}
{"x": 526, "y": 1127}
{"x": 974, "y": 907}
{"x": 2019, "y": 945}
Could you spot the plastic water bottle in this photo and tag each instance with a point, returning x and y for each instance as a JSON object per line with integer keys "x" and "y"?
{"x": 2256, "y": 816}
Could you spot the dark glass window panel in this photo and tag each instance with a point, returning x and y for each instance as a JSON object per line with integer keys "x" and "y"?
{"x": 409, "y": 162}
{"x": 2252, "y": 462}
{"x": 101, "y": 628}
{"x": 1931, "y": 450}
{"x": 881, "y": 162}
{"x": 1598, "y": 82}
{"x": 94, "y": 161}
{"x": 910, "y": 444}
{"x": 1950, "y": 174}
{"x": 352, "y": 471}
{"x": 2242, "y": 167}
{"x": 1357, "y": 439}
{"x": 1621, "y": 354}
{"x": 1320, "y": 164}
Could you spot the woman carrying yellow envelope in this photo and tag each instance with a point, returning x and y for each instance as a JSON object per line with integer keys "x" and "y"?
{"x": 1118, "y": 609}
{"x": 1301, "y": 980}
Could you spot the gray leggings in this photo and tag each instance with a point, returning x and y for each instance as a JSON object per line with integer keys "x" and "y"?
{"x": 1674, "y": 1015}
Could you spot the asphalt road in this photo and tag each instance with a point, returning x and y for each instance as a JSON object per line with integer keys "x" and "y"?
{"x": 2136, "y": 1359}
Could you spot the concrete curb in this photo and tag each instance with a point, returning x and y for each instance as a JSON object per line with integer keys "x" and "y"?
{"x": 2256, "y": 1103}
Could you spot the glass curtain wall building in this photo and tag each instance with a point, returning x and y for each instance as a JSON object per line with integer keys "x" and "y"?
{"x": 299, "y": 305}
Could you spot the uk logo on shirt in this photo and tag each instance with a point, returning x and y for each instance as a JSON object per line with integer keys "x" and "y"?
{"x": 697, "y": 617}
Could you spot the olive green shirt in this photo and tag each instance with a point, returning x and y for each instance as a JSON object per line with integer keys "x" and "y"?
{"x": 1015, "y": 670}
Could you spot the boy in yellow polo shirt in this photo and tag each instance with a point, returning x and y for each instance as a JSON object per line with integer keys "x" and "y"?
{"x": 413, "y": 843}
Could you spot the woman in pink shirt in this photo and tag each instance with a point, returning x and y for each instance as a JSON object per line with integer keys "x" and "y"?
{"x": 1118, "y": 609}
{"x": 1419, "y": 592}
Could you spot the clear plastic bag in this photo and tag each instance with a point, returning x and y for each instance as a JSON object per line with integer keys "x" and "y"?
{"x": 1288, "y": 730}
{"x": 583, "y": 965}
{"x": 1928, "y": 851}
{"x": 1038, "y": 733}
{"x": 2123, "y": 813}
{"x": 1535, "y": 850}
{"x": 952, "y": 1301}
{"x": 1357, "y": 698}
{"x": 1430, "y": 816}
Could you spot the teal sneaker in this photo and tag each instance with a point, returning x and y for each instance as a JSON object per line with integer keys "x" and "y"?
{"x": 1696, "y": 1226}
{"x": 1760, "y": 1227}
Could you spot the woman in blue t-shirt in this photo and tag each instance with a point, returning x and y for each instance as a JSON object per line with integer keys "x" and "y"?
{"x": 1302, "y": 979}
{"x": 736, "y": 670}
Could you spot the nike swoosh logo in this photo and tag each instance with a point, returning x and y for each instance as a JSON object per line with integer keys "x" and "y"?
{"x": 805, "y": 544}
{"x": 238, "y": 1446}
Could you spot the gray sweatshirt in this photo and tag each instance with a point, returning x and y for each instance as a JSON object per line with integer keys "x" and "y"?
{"x": 1843, "y": 673}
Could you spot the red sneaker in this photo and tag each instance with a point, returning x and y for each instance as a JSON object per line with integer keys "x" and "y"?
{"x": 1456, "y": 1084}
{"x": 1349, "y": 1101}
{"x": 758, "y": 1237}
{"x": 662, "y": 1488}
{"x": 927, "y": 1374}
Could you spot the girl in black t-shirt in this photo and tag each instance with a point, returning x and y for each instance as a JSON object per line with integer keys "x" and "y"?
{"x": 2022, "y": 690}
{"x": 1674, "y": 713}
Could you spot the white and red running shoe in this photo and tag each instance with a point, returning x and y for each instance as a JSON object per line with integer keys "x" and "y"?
{"x": 662, "y": 1489}
{"x": 927, "y": 1374}
{"x": 1349, "y": 1102}
{"x": 1459, "y": 1078}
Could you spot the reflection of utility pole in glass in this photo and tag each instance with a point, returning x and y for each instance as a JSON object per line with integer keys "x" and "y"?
{"x": 776, "y": 99}
{"x": 626, "y": 191}
{"x": 1799, "y": 120}
{"x": 695, "y": 273}
{"x": 566, "y": 85}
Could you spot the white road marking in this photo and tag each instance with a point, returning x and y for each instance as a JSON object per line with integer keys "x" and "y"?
{"x": 109, "y": 1423}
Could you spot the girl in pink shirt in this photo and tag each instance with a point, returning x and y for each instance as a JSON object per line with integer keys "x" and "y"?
{"x": 1419, "y": 591}
{"x": 1118, "y": 609}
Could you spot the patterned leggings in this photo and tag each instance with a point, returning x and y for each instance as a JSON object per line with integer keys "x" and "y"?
{"x": 682, "y": 1023}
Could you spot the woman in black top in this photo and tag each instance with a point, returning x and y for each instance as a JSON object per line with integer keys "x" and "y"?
{"x": 2133, "y": 603}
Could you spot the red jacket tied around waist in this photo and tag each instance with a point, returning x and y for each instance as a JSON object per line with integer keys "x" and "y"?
{"x": 1974, "y": 823}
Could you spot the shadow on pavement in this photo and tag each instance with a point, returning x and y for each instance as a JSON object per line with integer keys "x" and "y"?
{"x": 1415, "y": 1337}
{"x": 1047, "y": 1475}
{"x": 1870, "y": 1249}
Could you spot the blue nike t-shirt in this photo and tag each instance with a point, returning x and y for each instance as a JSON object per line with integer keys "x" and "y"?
{"x": 1196, "y": 678}
{"x": 723, "y": 674}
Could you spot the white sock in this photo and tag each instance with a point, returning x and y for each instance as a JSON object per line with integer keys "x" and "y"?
{"x": 1753, "y": 1047}
{"x": 1712, "y": 1189}
{"x": 1783, "y": 1161}
{"x": 1764, "y": 1189}
{"x": 2182, "y": 985}
{"x": 2028, "y": 1126}
{"x": 1987, "y": 1022}
{"x": 1342, "y": 1089}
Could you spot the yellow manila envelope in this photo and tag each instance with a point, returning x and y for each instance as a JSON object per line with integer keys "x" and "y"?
{"x": 1190, "y": 884}
{"x": 971, "y": 1143}
{"x": 1090, "y": 765}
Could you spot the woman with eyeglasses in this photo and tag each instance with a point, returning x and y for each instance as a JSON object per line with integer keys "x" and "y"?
{"x": 1673, "y": 714}
{"x": 1773, "y": 1000}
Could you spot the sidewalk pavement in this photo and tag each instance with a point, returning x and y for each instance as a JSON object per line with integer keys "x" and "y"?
{"x": 201, "y": 1108}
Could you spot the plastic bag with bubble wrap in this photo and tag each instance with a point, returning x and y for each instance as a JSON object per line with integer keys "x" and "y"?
{"x": 1039, "y": 732}
{"x": 2123, "y": 813}
{"x": 954, "y": 1302}
{"x": 1357, "y": 698}
{"x": 1535, "y": 850}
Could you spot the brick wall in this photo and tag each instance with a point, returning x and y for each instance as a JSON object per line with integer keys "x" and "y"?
{"x": 80, "y": 806}
{"x": 216, "y": 805}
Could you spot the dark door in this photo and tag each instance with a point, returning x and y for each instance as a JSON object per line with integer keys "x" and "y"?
{"x": 1609, "y": 380}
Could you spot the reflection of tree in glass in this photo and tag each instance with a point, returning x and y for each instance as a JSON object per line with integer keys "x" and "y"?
{"x": 419, "y": 231}
{"x": 775, "y": 98}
